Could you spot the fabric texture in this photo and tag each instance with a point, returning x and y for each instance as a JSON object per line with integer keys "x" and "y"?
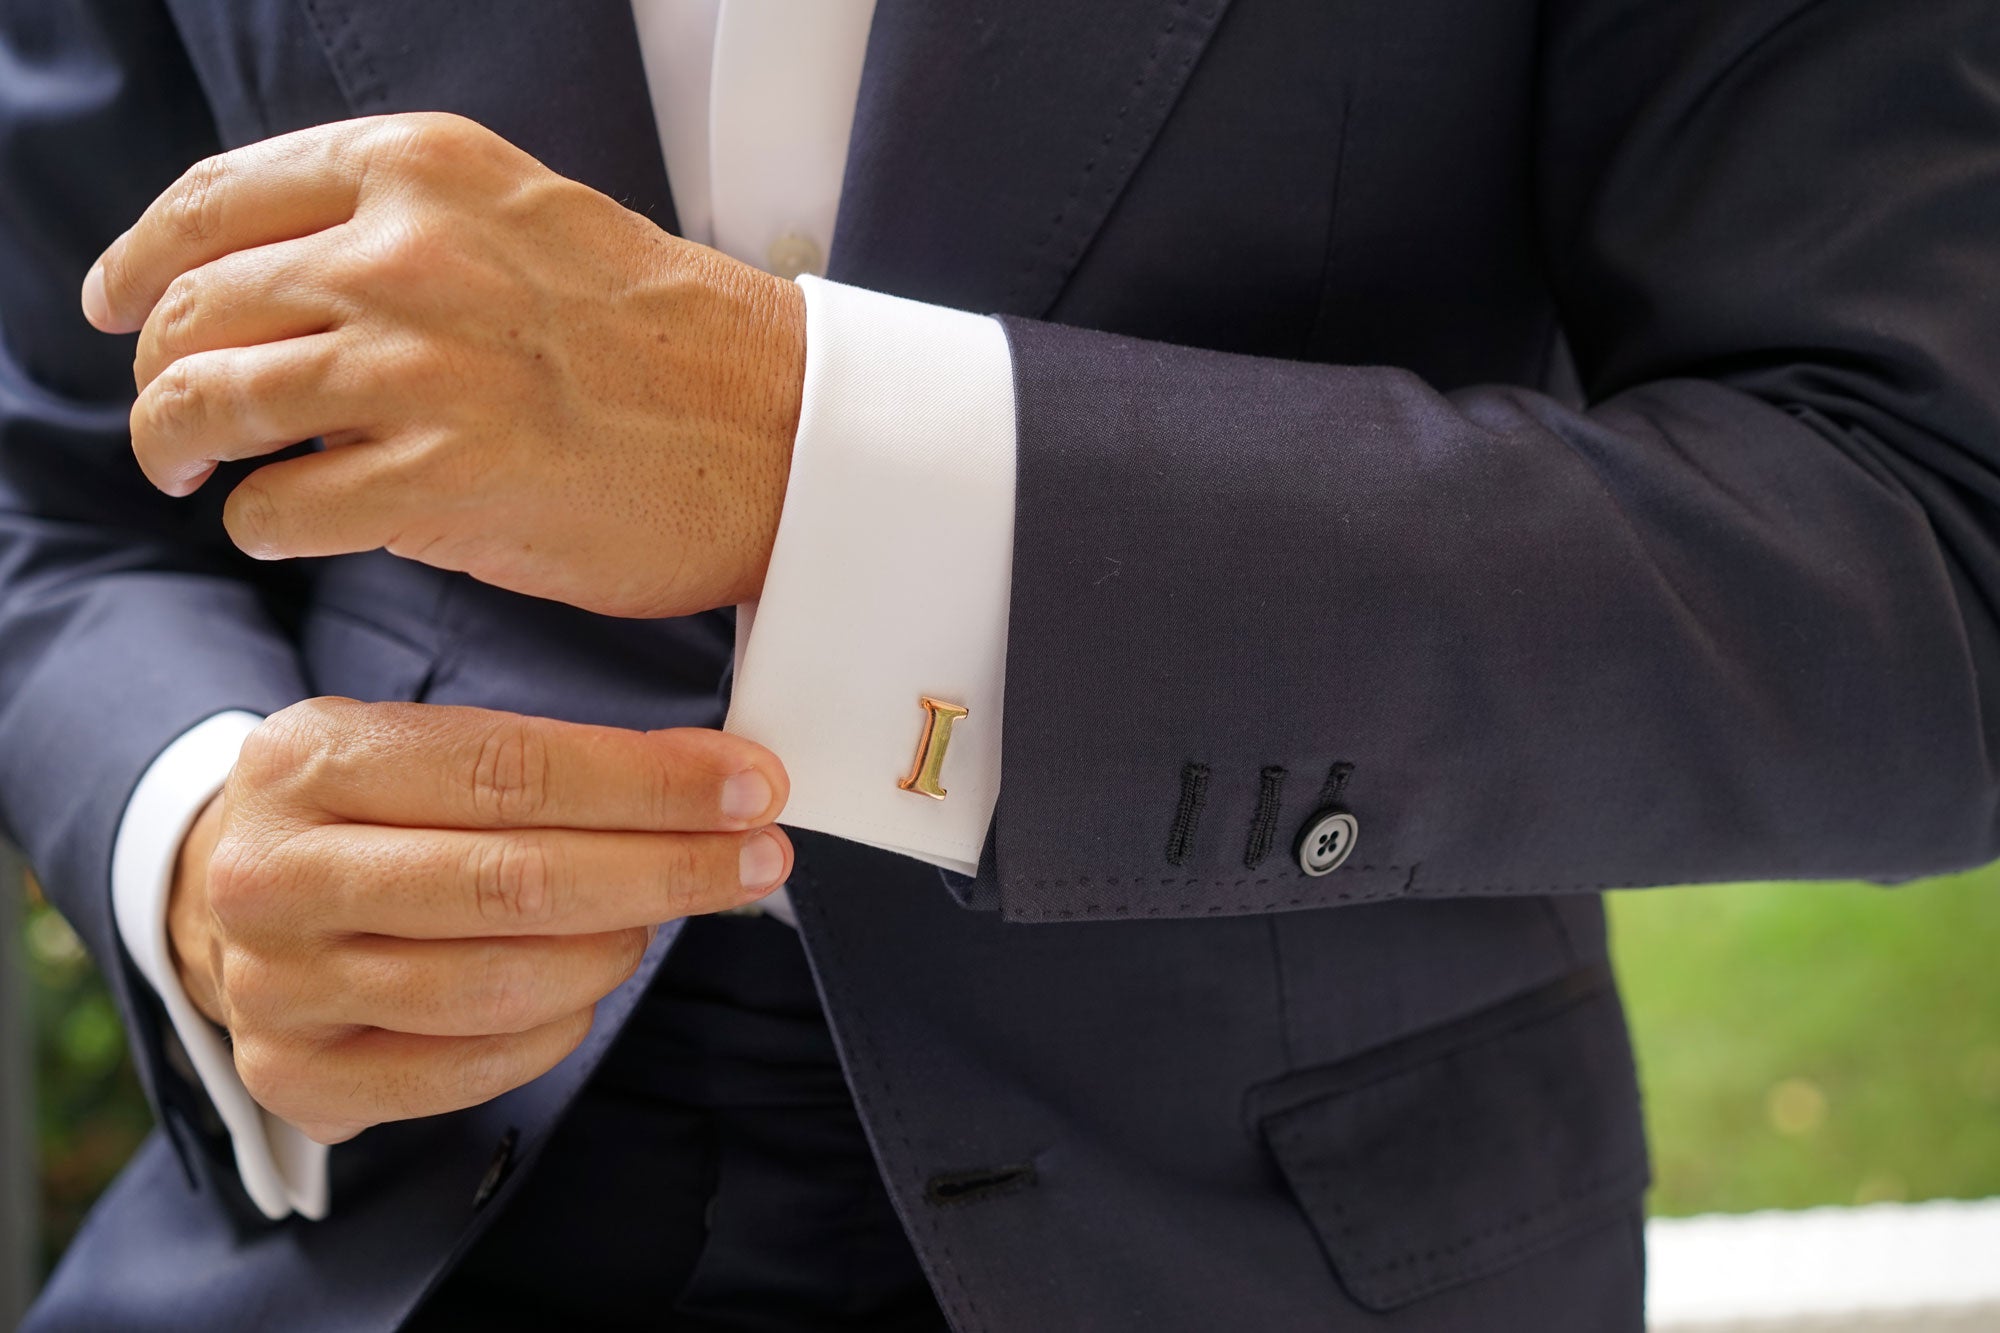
{"x": 1729, "y": 617}
{"x": 1578, "y": 417}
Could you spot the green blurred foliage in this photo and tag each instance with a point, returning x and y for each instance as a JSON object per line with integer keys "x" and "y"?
{"x": 1806, "y": 1044}
{"x": 1800, "y": 1045}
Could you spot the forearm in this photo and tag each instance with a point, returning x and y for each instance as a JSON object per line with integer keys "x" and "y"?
{"x": 1684, "y": 636}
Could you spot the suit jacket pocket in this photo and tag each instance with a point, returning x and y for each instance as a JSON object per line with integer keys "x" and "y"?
{"x": 1453, "y": 1154}
{"x": 349, "y": 656}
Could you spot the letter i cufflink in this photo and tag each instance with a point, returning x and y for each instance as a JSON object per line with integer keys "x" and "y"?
{"x": 938, "y": 719}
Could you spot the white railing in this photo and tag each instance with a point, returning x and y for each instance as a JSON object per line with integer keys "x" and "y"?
{"x": 1884, "y": 1268}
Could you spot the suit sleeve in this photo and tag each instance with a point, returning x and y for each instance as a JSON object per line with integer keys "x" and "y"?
{"x": 1736, "y": 617}
{"x": 125, "y": 618}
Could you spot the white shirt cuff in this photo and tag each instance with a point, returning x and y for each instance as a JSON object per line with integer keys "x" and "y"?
{"x": 890, "y": 575}
{"x": 283, "y": 1171}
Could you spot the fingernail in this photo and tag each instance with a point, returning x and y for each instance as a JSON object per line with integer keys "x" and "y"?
{"x": 746, "y": 795}
{"x": 761, "y": 861}
{"x": 96, "y": 308}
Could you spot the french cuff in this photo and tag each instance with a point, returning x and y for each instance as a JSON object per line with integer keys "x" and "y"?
{"x": 889, "y": 577}
{"x": 283, "y": 1171}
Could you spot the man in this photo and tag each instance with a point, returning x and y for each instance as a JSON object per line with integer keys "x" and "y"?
{"x": 1251, "y": 973}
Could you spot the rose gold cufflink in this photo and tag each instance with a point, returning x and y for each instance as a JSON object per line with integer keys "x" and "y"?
{"x": 938, "y": 719}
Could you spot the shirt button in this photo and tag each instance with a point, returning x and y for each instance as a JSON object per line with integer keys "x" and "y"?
{"x": 793, "y": 254}
{"x": 1328, "y": 838}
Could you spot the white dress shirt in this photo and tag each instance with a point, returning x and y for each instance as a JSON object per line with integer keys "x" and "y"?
{"x": 889, "y": 578}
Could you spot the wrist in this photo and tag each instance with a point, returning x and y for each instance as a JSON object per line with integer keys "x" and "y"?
{"x": 190, "y": 928}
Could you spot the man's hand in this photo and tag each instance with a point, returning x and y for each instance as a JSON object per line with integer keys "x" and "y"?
{"x": 404, "y": 909}
{"x": 514, "y": 375}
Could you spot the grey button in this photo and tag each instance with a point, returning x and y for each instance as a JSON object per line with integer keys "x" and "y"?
{"x": 793, "y": 254}
{"x": 1326, "y": 842}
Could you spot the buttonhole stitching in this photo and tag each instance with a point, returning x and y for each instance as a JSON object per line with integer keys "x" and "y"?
{"x": 1194, "y": 794}
{"x": 1264, "y": 824}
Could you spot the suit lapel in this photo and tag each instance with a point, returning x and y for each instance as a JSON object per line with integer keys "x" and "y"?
{"x": 562, "y": 79}
{"x": 992, "y": 138}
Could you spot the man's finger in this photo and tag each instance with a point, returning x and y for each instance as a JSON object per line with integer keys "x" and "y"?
{"x": 276, "y": 190}
{"x": 261, "y": 295}
{"x": 242, "y": 402}
{"x": 440, "y": 766}
{"x": 374, "y": 1076}
{"x": 357, "y": 497}
{"x": 474, "y": 988}
{"x": 450, "y": 884}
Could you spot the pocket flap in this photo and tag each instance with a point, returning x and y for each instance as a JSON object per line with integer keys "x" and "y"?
{"x": 1452, "y": 1154}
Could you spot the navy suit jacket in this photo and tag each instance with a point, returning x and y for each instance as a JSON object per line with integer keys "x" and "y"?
{"x": 1562, "y": 432}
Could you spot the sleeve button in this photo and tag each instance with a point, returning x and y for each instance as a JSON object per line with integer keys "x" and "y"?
{"x": 1326, "y": 842}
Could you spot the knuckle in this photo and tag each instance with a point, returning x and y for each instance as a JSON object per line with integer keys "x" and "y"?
{"x": 403, "y": 246}
{"x": 483, "y": 1070}
{"x": 239, "y": 881}
{"x": 509, "y": 783}
{"x": 253, "y": 519}
{"x": 665, "y": 791}
{"x": 321, "y": 717}
{"x": 251, "y": 990}
{"x": 316, "y": 1086}
{"x": 270, "y": 1074}
{"x": 193, "y": 209}
{"x": 295, "y": 753}
{"x": 507, "y": 994}
{"x": 512, "y": 881}
{"x": 684, "y": 887}
{"x": 180, "y": 402}
{"x": 423, "y": 139}
{"x": 282, "y": 743}
{"x": 179, "y": 311}
{"x": 267, "y": 751}
{"x": 392, "y": 252}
